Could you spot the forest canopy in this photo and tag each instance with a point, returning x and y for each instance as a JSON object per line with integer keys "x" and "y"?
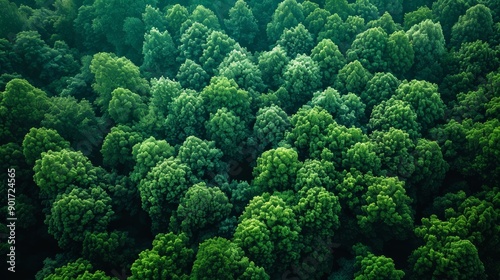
{"x": 246, "y": 139}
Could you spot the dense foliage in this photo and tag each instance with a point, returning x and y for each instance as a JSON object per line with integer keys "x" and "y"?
{"x": 251, "y": 139}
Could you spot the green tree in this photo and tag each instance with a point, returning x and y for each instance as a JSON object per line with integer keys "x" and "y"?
{"x": 217, "y": 46}
{"x": 296, "y": 40}
{"x": 381, "y": 87}
{"x": 272, "y": 64}
{"x": 223, "y": 92}
{"x": 239, "y": 67}
{"x": 428, "y": 43}
{"x": 22, "y": 106}
{"x": 395, "y": 149}
{"x": 477, "y": 58}
{"x": 254, "y": 237}
{"x": 222, "y": 259}
{"x": 399, "y": 53}
{"x": 386, "y": 211}
{"x": 126, "y": 107}
{"x": 117, "y": 148}
{"x": 191, "y": 75}
{"x": 308, "y": 128}
{"x": 228, "y": 131}
{"x": 187, "y": 116}
{"x": 158, "y": 50}
{"x": 204, "y": 16}
{"x": 425, "y": 100}
{"x": 241, "y": 24}
{"x": 476, "y": 24}
{"x": 316, "y": 20}
{"x": 317, "y": 173}
{"x": 447, "y": 13}
{"x": 370, "y": 266}
{"x": 353, "y": 111}
{"x": 201, "y": 207}
{"x": 330, "y": 60}
{"x": 73, "y": 269}
{"x": 270, "y": 126}
{"x": 77, "y": 212}
{"x": 365, "y": 9}
{"x": 369, "y": 48}
{"x": 40, "y": 140}
{"x": 317, "y": 210}
{"x": 175, "y": 16}
{"x": 482, "y": 142}
{"x": 201, "y": 156}
{"x": 340, "y": 7}
{"x": 302, "y": 77}
{"x": 430, "y": 171}
{"x": 192, "y": 41}
{"x": 153, "y": 18}
{"x": 12, "y": 19}
{"x": 110, "y": 18}
{"x": 58, "y": 171}
{"x": 362, "y": 156}
{"x": 287, "y": 15}
{"x": 386, "y": 23}
{"x": 353, "y": 77}
{"x": 284, "y": 232}
{"x": 147, "y": 154}
{"x": 108, "y": 248}
{"x": 417, "y": 16}
{"x": 169, "y": 258}
{"x": 162, "y": 189}
{"x": 335, "y": 142}
{"x": 76, "y": 122}
{"x": 112, "y": 72}
{"x": 276, "y": 170}
{"x": 442, "y": 242}
{"x": 395, "y": 113}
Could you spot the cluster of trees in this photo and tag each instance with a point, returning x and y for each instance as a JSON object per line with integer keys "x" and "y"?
{"x": 227, "y": 139}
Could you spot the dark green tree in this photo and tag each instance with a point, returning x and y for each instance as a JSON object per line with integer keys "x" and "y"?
{"x": 147, "y": 154}
{"x": 241, "y": 24}
{"x": 228, "y": 131}
{"x": 103, "y": 249}
{"x": 381, "y": 87}
{"x": 353, "y": 77}
{"x": 272, "y": 64}
{"x": 162, "y": 189}
{"x": 370, "y": 266}
{"x": 191, "y": 75}
{"x": 369, "y": 48}
{"x": 287, "y": 15}
{"x": 447, "y": 13}
{"x": 159, "y": 50}
{"x": 40, "y": 140}
{"x": 316, "y": 20}
{"x": 217, "y": 46}
{"x": 296, "y": 40}
{"x": 270, "y": 126}
{"x": 330, "y": 60}
{"x": 395, "y": 113}
{"x": 476, "y": 24}
{"x": 399, "y": 54}
{"x": 116, "y": 149}
{"x": 77, "y": 212}
{"x": 192, "y": 40}
{"x": 200, "y": 208}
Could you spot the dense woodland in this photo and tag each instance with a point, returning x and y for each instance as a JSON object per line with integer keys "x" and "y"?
{"x": 256, "y": 139}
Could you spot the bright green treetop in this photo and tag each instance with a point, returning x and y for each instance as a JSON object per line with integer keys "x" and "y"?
{"x": 395, "y": 113}
{"x": 272, "y": 64}
{"x": 201, "y": 156}
{"x": 228, "y": 131}
{"x": 187, "y": 117}
{"x": 370, "y": 266}
{"x": 117, "y": 148}
{"x": 353, "y": 77}
{"x": 330, "y": 60}
{"x": 147, "y": 154}
{"x": 40, "y": 140}
{"x": 170, "y": 258}
{"x": 112, "y": 72}
{"x": 219, "y": 258}
{"x": 280, "y": 221}
{"x": 276, "y": 170}
{"x": 126, "y": 107}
